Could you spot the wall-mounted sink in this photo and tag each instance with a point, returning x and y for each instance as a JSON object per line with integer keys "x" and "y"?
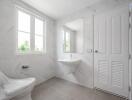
{"x": 67, "y": 66}
{"x": 70, "y": 62}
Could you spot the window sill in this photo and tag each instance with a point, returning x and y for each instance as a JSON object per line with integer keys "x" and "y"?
{"x": 31, "y": 53}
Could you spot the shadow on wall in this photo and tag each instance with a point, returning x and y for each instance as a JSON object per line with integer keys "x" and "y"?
{"x": 81, "y": 76}
{"x": 42, "y": 68}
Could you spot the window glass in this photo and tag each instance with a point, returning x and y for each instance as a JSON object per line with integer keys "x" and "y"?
{"x": 23, "y": 32}
{"x": 38, "y": 43}
{"x": 67, "y": 42}
{"x": 38, "y": 35}
{"x": 38, "y": 27}
{"x": 23, "y": 21}
{"x": 23, "y": 41}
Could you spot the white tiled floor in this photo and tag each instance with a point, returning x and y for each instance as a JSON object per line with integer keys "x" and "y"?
{"x": 58, "y": 89}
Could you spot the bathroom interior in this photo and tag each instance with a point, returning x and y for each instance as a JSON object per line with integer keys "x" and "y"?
{"x": 65, "y": 50}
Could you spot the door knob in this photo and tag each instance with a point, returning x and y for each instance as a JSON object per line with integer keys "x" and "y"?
{"x": 96, "y": 51}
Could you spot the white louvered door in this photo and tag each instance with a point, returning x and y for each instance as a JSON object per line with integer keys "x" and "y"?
{"x": 111, "y": 51}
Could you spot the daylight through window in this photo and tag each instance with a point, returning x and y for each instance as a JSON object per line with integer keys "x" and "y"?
{"x": 30, "y": 33}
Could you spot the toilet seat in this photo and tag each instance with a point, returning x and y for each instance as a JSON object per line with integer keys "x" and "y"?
{"x": 18, "y": 89}
{"x": 17, "y": 86}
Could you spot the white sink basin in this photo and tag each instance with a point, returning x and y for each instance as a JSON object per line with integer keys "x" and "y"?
{"x": 74, "y": 62}
{"x": 67, "y": 66}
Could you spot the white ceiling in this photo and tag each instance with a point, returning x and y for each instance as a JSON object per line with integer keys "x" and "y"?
{"x": 75, "y": 25}
{"x": 59, "y": 8}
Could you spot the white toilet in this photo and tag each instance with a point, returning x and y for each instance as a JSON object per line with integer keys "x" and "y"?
{"x": 15, "y": 89}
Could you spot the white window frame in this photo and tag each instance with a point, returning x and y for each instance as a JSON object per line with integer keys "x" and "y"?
{"x": 32, "y": 31}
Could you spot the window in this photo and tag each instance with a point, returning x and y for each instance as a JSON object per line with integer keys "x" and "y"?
{"x": 30, "y": 33}
{"x": 23, "y": 32}
{"x": 67, "y": 41}
{"x": 38, "y": 34}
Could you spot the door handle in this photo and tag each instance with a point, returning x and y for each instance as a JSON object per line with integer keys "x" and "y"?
{"x": 96, "y": 51}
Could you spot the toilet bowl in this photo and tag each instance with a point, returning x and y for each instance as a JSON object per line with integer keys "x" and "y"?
{"x": 15, "y": 89}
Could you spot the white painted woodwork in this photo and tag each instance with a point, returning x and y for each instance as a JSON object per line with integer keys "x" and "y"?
{"x": 130, "y": 51}
{"x": 111, "y": 60}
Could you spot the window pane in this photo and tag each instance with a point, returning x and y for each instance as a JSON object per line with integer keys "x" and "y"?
{"x": 23, "y": 41}
{"x": 23, "y": 22}
{"x": 38, "y": 43}
{"x": 38, "y": 26}
{"x": 67, "y": 40}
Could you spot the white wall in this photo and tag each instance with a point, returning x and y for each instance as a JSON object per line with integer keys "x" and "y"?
{"x": 41, "y": 66}
{"x": 84, "y": 73}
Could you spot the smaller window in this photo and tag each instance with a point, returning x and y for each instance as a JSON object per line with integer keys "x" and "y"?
{"x": 67, "y": 41}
